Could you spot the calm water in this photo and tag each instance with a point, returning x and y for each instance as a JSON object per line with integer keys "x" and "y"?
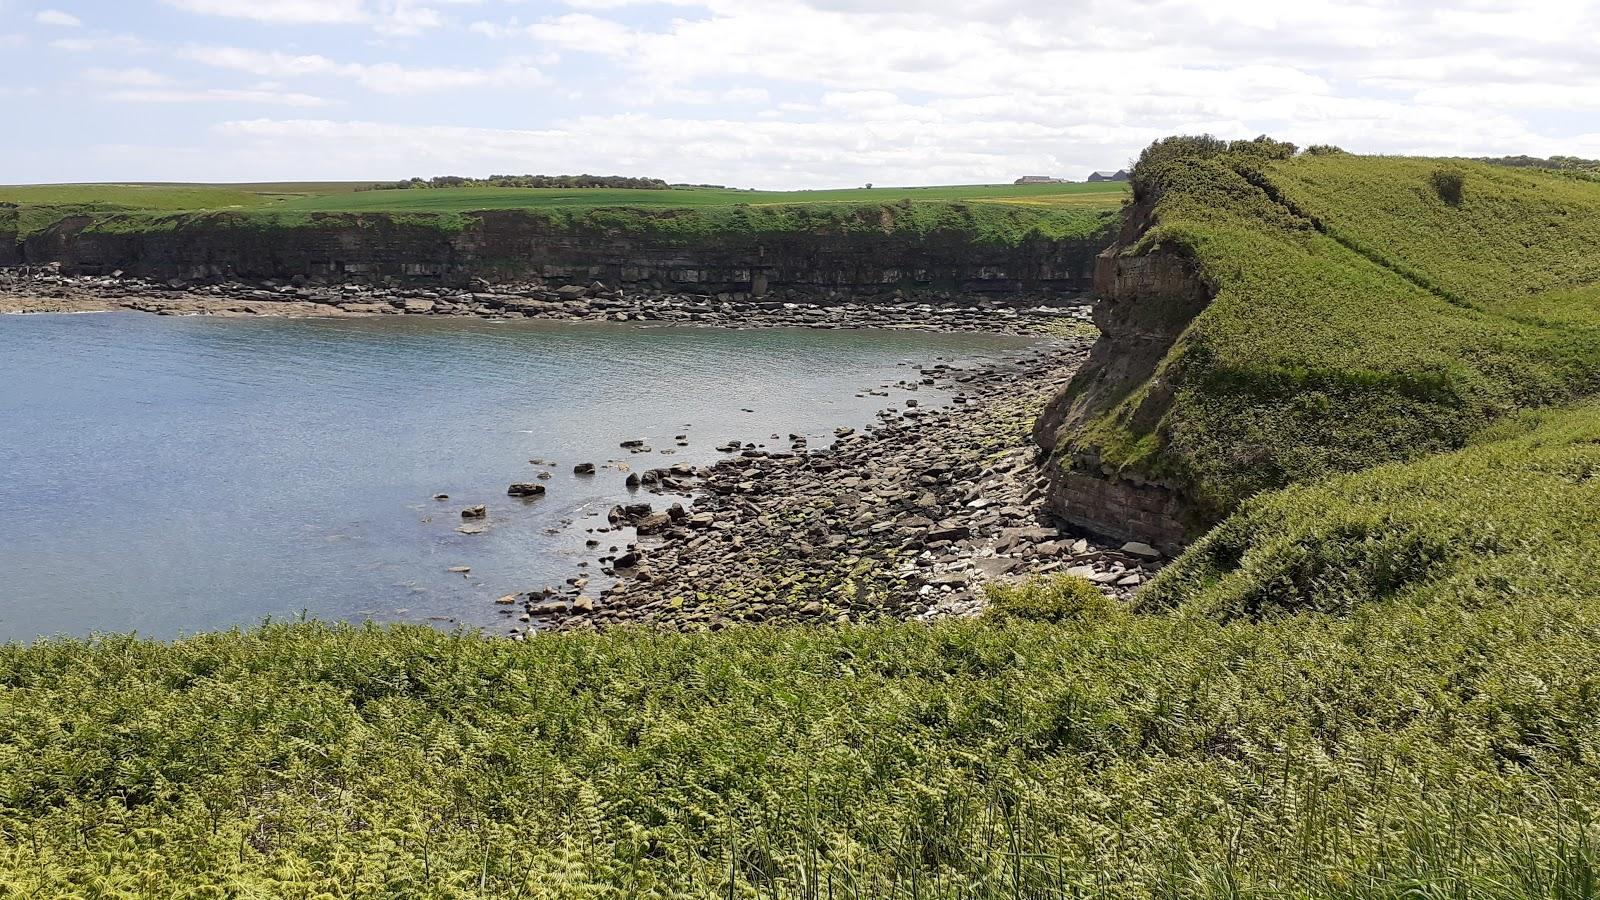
{"x": 168, "y": 475}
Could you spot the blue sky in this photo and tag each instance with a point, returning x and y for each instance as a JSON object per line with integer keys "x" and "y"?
{"x": 768, "y": 93}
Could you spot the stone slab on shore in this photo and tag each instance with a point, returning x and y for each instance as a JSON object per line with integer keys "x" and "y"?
{"x": 909, "y": 519}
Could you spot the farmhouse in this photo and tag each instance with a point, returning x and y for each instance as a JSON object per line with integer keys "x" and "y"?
{"x": 1118, "y": 175}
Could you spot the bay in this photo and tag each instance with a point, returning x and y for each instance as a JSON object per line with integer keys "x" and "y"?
{"x": 168, "y": 475}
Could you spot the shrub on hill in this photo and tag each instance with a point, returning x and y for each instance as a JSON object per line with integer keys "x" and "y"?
{"x": 1448, "y": 185}
{"x": 1057, "y": 600}
{"x": 526, "y": 181}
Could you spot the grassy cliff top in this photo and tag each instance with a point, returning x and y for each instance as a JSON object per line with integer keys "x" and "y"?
{"x": 992, "y": 213}
{"x": 1365, "y": 309}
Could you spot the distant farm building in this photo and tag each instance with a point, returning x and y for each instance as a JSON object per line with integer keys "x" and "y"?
{"x": 1118, "y": 175}
{"x": 1039, "y": 179}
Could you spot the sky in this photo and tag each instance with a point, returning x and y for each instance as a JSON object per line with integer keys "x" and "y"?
{"x": 769, "y": 93}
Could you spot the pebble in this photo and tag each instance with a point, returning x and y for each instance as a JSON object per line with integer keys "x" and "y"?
{"x": 908, "y": 519}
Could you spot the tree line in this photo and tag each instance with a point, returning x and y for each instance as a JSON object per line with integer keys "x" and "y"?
{"x": 526, "y": 181}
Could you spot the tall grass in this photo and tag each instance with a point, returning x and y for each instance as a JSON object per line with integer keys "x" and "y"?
{"x": 1412, "y": 748}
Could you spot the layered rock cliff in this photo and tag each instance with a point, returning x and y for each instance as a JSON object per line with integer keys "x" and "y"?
{"x": 491, "y": 244}
{"x": 1143, "y": 303}
{"x": 10, "y": 247}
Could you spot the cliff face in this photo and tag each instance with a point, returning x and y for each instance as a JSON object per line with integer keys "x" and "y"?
{"x": 1143, "y": 304}
{"x": 10, "y": 248}
{"x": 512, "y": 244}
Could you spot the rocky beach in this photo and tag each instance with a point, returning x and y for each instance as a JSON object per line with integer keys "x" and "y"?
{"x": 44, "y": 289}
{"x": 907, "y": 519}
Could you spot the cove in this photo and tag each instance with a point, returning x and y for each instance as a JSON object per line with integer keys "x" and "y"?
{"x": 169, "y": 475}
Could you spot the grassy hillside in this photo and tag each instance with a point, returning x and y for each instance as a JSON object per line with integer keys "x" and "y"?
{"x": 1359, "y": 316}
{"x": 1411, "y": 749}
{"x": 1369, "y": 685}
{"x": 35, "y": 207}
{"x": 1512, "y": 516}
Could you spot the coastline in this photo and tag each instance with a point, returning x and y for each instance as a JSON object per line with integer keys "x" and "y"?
{"x": 36, "y": 292}
{"x": 908, "y": 519}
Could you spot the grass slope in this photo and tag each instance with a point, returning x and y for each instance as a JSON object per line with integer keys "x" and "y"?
{"x": 1512, "y": 516}
{"x": 39, "y": 206}
{"x": 1411, "y": 749}
{"x": 1358, "y": 316}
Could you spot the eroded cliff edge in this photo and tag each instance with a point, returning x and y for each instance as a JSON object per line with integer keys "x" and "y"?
{"x": 1273, "y": 318}
{"x": 1144, "y": 299}
{"x": 853, "y": 256}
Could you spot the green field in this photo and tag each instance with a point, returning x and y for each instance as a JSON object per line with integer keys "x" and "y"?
{"x": 345, "y": 197}
{"x": 171, "y": 197}
{"x": 990, "y": 213}
{"x": 1092, "y": 196}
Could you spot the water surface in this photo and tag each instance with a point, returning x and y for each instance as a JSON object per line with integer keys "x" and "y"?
{"x": 168, "y": 475}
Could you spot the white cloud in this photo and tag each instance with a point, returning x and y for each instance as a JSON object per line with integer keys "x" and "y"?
{"x": 389, "y": 17}
{"x": 128, "y": 78}
{"x": 57, "y": 18}
{"x": 405, "y": 19}
{"x": 816, "y": 92}
{"x": 387, "y": 78}
{"x": 215, "y": 95}
{"x": 116, "y": 43}
{"x": 281, "y": 12}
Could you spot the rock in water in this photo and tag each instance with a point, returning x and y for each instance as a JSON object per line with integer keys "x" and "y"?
{"x": 583, "y": 469}
{"x": 525, "y": 489}
{"x": 475, "y": 512}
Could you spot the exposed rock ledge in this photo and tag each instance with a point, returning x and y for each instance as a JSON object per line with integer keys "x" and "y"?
{"x": 1143, "y": 303}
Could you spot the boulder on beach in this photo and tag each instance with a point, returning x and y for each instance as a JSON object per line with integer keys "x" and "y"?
{"x": 654, "y": 523}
